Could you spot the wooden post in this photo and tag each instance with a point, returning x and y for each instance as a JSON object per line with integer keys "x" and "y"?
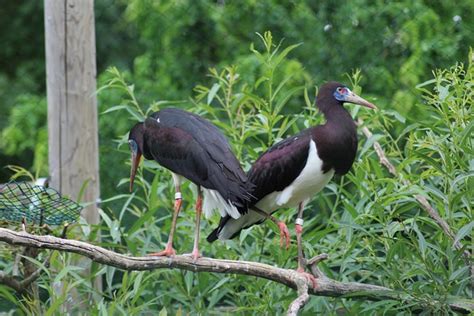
{"x": 72, "y": 105}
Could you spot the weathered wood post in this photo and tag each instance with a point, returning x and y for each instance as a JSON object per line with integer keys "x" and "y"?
{"x": 72, "y": 104}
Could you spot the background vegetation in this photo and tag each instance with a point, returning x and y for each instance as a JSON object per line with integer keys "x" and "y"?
{"x": 410, "y": 57}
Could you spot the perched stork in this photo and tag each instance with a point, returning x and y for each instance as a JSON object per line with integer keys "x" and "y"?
{"x": 192, "y": 148}
{"x": 295, "y": 169}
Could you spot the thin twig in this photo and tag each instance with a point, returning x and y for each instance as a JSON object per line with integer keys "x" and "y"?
{"x": 317, "y": 259}
{"x": 288, "y": 277}
{"x": 10, "y": 281}
{"x": 313, "y": 265}
{"x": 21, "y": 286}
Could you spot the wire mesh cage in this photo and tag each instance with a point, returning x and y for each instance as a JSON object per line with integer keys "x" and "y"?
{"x": 36, "y": 204}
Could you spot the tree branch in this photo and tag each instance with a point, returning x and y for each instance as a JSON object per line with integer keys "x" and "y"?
{"x": 10, "y": 281}
{"x": 301, "y": 300}
{"x": 290, "y": 278}
{"x": 21, "y": 286}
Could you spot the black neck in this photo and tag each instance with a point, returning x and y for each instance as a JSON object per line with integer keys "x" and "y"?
{"x": 337, "y": 139}
{"x": 326, "y": 104}
{"x": 335, "y": 113}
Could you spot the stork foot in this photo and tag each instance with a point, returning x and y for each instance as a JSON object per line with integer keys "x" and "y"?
{"x": 284, "y": 234}
{"x": 195, "y": 255}
{"x": 168, "y": 252}
{"x": 311, "y": 278}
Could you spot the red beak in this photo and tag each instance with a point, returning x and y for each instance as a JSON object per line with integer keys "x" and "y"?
{"x": 135, "y": 162}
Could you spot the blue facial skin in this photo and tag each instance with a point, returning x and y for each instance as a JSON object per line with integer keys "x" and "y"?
{"x": 133, "y": 145}
{"x": 341, "y": 93}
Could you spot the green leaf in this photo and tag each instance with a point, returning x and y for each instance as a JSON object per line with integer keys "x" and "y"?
{"x": 212, "y": 93}
{"x": 135, "y": 113}
{"x": 369, "y": 143}
{"x": 163, "y": 312}
{"x": 284, "y": 53}
{"x": 286, "y": 97}
{"x": 188, "y": 280}
{"x": 279, "y": 87}
{"x": 220, "y": 283}
{"x": 144, "y": 218}
{"x": 115, "y": 108}
{"x": 463, "y": 232}
{"x": 421, "y": 240}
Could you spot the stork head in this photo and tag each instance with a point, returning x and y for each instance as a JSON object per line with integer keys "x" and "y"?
{"x": 339, "y": 94}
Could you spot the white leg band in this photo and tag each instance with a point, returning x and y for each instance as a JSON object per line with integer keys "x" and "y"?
{"x": 299, "y": 221}
{"x": 177, "y": 195}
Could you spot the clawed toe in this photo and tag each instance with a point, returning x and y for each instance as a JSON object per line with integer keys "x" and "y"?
{"x": 168, "y": 252}
{"x": 284, "y": 235}
{"x": 195, "y": 255}
{"x": 311, "y": 278}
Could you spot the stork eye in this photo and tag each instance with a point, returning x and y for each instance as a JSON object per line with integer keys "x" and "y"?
{"x": 342, "y": 90}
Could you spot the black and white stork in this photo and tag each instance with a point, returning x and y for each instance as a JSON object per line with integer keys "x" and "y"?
{"x": 192, "y": 148}
{"x": 295, "y": 169}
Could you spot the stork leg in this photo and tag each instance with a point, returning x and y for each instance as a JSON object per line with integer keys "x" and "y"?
{"x": 301, "y": 259}
{"x": 195, "y": 252}
{"x": 284, "y": 232}
{"x": 169, "y": 251}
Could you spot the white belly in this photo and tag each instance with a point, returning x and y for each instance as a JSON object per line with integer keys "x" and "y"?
{"x": 310, "y": 181}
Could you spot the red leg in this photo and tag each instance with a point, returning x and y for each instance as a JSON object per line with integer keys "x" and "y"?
{"x": 169, "y": 251}
{"x": 299, "y": 232}
{"x": 195, "y": 254}
{"x": 284, "y": 232}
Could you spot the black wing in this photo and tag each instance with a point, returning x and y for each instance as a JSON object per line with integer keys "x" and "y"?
{"x": 280, "y": 165}
{"x": 207, "y": 135}
{"x": 273, "y": 171}
{"x": 194, "y": 148}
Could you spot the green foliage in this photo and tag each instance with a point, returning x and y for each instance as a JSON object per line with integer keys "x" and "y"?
{"x": 396, "y": 44}
{"x": 22, "y": 75}
{"x": 27, "y": 133}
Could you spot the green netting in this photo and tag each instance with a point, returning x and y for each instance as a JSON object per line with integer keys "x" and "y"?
{"x": 37, "y": 204}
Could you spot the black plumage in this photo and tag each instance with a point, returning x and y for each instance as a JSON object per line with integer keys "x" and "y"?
{"x": 194, "y": 148}
{"x": 293, "y": 170}
{"x": 279, "y": 166}
{"x": 191, "y": 147}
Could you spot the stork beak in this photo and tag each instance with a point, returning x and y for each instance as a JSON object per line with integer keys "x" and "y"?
{"x": 135, "y": 162}
{"x": 354, "y": 98}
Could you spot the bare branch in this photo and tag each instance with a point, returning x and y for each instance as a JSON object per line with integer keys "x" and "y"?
{"x": 301, "y": 300}
{"x": 313, "y": 265}
{"x": 288, "y": 277}
{"x": 317, "y": 259}
{"x": 10, "y": 281}
{"x": 19, "y": 286}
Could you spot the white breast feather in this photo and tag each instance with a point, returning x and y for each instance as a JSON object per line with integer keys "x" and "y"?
{"x": 310, "y": 181}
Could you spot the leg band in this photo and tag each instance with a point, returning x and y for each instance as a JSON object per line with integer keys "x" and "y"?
{"x": 177, "y": 195}
{"x": 299, "y": 221}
